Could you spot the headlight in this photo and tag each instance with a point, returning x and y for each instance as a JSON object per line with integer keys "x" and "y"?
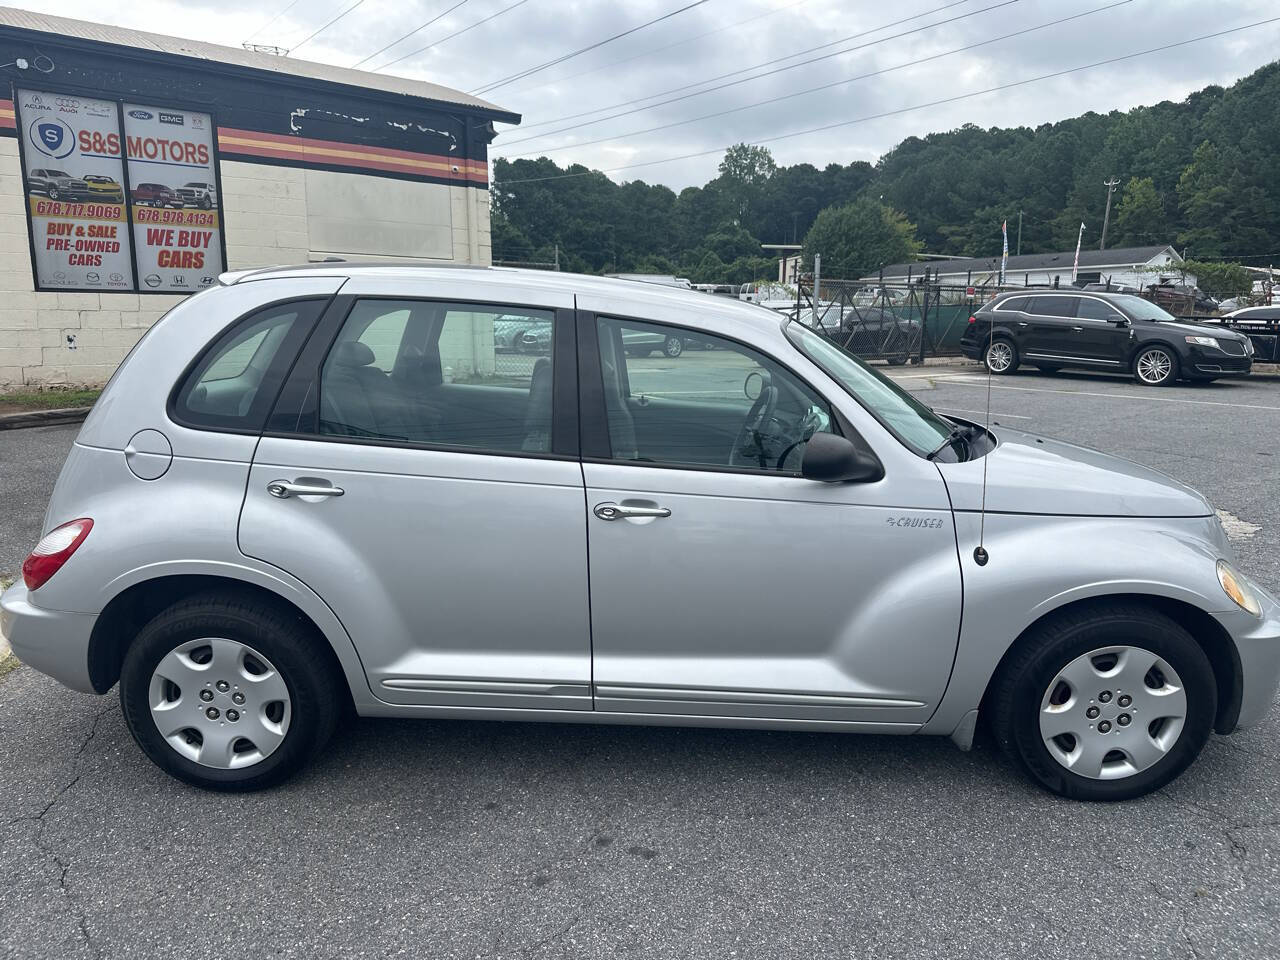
{"x": 1203, "y": 341}
{"x": 1235, "y": 586}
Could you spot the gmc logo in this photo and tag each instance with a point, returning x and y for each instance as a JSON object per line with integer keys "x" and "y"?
{"x": 174, "y": 118}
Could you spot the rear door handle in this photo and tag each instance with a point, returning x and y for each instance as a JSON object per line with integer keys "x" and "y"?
{"x": 283, "y": 489}
{"x": 1077, "y": 329}
{"x": 618, "y": 511}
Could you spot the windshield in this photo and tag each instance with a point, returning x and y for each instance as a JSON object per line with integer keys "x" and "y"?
{"x": 906, "y": 417}
{"x": 1141, "y": 309}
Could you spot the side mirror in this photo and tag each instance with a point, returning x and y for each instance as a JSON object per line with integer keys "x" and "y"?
{"x": 833, "y": 459}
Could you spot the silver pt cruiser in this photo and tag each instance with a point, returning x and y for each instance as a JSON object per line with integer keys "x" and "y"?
{"x": 316, "y": 488}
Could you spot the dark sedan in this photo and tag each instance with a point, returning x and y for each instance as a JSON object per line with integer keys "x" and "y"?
{"x": 1101, "y": 331}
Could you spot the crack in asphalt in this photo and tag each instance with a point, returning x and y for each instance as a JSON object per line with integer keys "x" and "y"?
{"x": 64, "y": 865}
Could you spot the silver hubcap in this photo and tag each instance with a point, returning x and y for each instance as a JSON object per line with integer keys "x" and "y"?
{"x": 1113, "y": 712}
{"x": 220, "y": 703}
{"x": 1154, "y": 366}
{"x": 999, "y": 356}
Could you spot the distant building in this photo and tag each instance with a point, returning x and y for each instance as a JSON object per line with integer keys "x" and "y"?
{"x": 1123, "y": 266}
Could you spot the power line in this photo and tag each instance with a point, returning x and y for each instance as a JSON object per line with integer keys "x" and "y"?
{"x": 767, "y": 63}
{"x": 494, "y": 85}
{"x": 271, "y": 21}
{"x": 614, "y": 64}
{"x": 902, "y": 110}
{"x": 313, "y": 35}
{"x": 417, "y": 29}
{"x": 456, "y": 33}
{"x": 825, "y": 86}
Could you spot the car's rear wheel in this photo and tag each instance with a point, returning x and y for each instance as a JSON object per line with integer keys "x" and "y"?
{"x": 1105, "y": 703}
{"x": 229, "y": 693}
{"x": 1155, "y": 367}
{"x": 673, "y": 346}
{"x": 53, "y": 193}
{"x": 1000, "y": 356}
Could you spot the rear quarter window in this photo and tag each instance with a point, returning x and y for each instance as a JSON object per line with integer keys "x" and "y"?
{"x": 234, "y": 382}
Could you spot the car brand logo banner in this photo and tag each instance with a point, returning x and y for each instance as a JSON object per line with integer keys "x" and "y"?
{"x": 73, "y": 178}
{"x": 177, "y": 231}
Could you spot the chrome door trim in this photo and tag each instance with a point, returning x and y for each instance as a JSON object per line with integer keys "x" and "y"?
{"x": 783, "y": 698}
{"x": 513, "y": 687}
{"x": 1054, "y": 357}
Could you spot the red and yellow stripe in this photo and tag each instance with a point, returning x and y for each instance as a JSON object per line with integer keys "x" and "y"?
{"x": 232, "y": 142}
{"x": 8, "y": 118}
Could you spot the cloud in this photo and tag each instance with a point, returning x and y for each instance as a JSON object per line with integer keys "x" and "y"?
{"x": 676, "y": 53}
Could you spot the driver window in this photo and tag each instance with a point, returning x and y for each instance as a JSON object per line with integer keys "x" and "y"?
{"x": 678, "y": 396}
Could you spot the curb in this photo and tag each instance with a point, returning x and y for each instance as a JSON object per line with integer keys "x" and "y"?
{"x": 42, "y": 418}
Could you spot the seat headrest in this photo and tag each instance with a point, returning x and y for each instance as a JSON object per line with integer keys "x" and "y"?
{"x": 352, "y": 353}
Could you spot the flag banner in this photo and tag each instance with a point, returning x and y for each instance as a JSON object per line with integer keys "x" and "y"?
{"x": 1004, "y": 256}
{"x": 1075, "y": 267}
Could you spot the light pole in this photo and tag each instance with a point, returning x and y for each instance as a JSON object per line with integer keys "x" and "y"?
{"x": 1111, "y": 188}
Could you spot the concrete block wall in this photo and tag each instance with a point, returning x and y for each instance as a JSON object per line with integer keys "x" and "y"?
{"x": 78, "y": 339}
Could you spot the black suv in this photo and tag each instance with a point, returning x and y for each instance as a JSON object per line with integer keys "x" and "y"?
{"x": 1101, "y": 331}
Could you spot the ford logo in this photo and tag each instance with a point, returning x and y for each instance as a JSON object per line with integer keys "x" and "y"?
{"x": 141, "y": 114}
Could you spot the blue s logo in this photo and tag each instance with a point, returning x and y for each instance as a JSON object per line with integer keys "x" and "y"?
{"x": 52, "y": 137}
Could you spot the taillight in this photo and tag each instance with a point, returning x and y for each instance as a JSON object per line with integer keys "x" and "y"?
{"x": 973, "y": 319}
{"x": 54, "y": 549}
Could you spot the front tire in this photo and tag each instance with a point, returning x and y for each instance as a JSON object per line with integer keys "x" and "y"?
{"x": 1105, "y": 703}
{"x": 1155, "y": 367}
{"x": 230, "y": 693}
{"x": 673, "y": 347}
{"x": 1000, "y": 357}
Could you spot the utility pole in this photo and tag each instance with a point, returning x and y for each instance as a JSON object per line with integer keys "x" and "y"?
{"x": 1019, "y": 250}
{"x": 1111, "y": 188}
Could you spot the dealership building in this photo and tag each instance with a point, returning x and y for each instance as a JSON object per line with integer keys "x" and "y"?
{"x": 135, "y": 167}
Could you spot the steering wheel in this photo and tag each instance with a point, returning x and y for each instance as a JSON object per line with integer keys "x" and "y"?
{"x": 749, "y": 445}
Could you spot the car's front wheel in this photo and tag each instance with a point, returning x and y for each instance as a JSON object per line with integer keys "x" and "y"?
{"x": 673, "y": 346}
{"x": 53, "y": 193}
{"x": 229, "y": 693}
{"x": 1105, "y": 703}
{"x": 1155, "y": 367}
{"x": 1000, "y": 356}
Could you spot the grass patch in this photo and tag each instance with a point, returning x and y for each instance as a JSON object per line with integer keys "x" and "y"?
{"x": 9, "y": 664}
{"x": 47, "y": 399}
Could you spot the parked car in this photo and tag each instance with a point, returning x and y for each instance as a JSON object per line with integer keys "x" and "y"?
{"x": 103, "y": 189}
{"x": 877, "y": 333}
{"x": 522, "y": 335}
{"x": 1101, "y": 331}
{"x": 263, "y": 522}
{"x": 639, "y": 343}
{"x": 155, "y": 195}
{"x": 197, "y": 194}
{"x": 57, "y": 185}
{"x": 1258, "y": 315}
{"x": 1181, "y": 298}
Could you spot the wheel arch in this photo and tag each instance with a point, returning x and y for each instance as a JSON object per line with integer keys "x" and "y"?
{"x": 135, "y": 605}
{"x": 1211, "y": 636}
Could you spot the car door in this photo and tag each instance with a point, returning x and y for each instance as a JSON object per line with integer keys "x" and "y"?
{"x": 1049, "y": 334}
{"x": 725, "y": 585}
{"x": 1102, "y": 333}
{"x": 428, "y": 489}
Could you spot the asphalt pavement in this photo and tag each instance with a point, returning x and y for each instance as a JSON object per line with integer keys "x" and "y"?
{"x": 470, "y": 839}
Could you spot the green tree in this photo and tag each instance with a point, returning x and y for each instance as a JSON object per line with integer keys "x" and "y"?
{"x": 1140, "y": 218}
{"x": 743, "y": 173}
{"x": 1205, "y": 200}
{"x": 1220, "y": 279}
{"x": 857, "y": 239}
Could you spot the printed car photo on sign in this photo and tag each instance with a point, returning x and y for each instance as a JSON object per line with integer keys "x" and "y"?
{"x": 174, "y": 200}
{"x": 73, "y": 176}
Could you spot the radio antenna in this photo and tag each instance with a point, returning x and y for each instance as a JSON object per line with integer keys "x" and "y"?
{"x": 980, "y": 555}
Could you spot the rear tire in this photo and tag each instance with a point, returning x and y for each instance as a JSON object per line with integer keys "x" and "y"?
{"x": 673, "y": 347}
{"x": 1133, "y": 756}
{"x": 1000, "y": 356}
{"x": 300, "y": 721}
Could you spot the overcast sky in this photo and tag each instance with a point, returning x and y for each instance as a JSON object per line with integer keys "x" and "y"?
{"x": 719, "y": 37}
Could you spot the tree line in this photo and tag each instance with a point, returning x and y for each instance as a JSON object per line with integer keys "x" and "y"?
{"x": 1202, "y": 174}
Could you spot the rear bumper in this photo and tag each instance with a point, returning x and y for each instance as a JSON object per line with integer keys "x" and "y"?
{"x": 52, "y": 641}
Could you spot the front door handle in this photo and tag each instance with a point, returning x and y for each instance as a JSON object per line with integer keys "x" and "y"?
{"x": 1077, "y": 329}
{"x": 283, "y": 489}
{"x": 620, "y": 511}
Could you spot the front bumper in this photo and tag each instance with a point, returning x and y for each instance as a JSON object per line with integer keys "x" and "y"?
{"x": 52, "y": 641}
{"x": 1217, "y": 363}
{"x": 1257, "y": 642}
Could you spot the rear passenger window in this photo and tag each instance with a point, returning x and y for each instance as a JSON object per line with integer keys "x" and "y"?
{"x": 1014, "y": 303}
{"x": 441, "y": 374}
{"x": 1053, "y": 306}
{"x": 234, "y": 384}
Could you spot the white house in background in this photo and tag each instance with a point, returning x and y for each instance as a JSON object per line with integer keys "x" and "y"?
{"x": 1123, "y": 266}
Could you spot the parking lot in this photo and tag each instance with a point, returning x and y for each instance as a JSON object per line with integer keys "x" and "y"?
{"x": 468, "y": 839}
